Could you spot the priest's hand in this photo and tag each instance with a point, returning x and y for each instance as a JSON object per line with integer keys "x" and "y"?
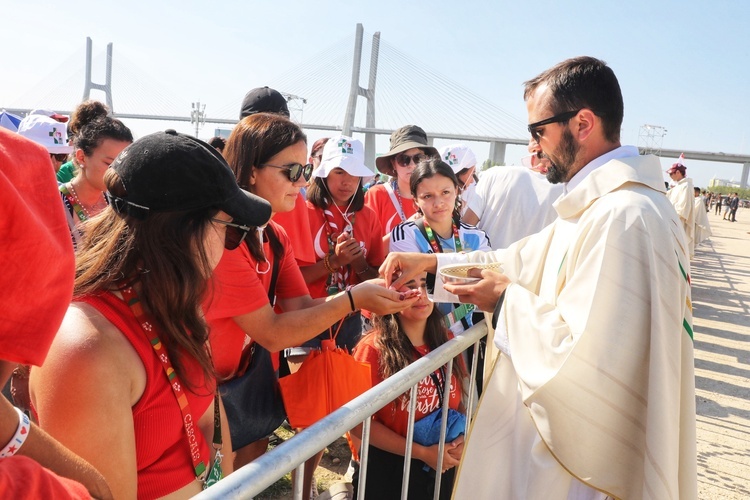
{"x": 400, "y": 267}
{"x": 484, "y": 293}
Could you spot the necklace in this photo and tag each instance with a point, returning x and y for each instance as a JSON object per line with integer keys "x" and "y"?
{"x": 79, "y": 207}
{"x": 69, "y": 193}
{"x": 80, "y": 203}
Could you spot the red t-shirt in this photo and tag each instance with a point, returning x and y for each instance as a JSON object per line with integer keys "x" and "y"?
{"x": 22, "y": 477}
{"x": 366, "y": 230}
{"x": 36, "y": 283}
{"x": 297, "y": 227}
{"x": 395, "y": 415}
{"x": 161, "y": 445}
{"x": 378, "y": 199}
{"x": 238, "y": 288}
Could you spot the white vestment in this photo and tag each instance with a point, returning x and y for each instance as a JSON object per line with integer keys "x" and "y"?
{"x": 599, "y": 385}
{"x": 702, "y": 226}
{"x": 681, "y": 196}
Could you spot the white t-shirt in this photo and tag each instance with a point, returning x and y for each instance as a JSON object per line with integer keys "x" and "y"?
{"x": 512, "y": 203}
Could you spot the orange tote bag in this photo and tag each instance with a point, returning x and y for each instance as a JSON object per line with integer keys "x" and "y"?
{"x": 328, "y": 379}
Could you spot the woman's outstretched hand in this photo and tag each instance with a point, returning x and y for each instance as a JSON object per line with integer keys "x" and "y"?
{"x": 372, "y": 295}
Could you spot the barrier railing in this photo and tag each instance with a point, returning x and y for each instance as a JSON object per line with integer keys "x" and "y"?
{"x": 257, "y": 476}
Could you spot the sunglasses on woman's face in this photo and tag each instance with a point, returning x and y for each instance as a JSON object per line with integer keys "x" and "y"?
{"x": 294, "y": 170}
{"x": 235, "y": 235}
{"x": 405, "y": 160}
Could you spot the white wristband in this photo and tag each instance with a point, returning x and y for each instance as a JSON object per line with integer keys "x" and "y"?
{"x": 19, "y": 438}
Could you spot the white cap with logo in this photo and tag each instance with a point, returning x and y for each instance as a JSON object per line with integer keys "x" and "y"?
{"x": 458, "y": 157}
{"x": 43, "y": 130}
{"x": 345, "y": 153}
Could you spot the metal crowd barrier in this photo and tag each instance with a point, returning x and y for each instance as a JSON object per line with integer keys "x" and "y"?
{"x": 257, "y": 476}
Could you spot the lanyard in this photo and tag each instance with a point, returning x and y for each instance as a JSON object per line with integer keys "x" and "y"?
{"x": 77, "y": 208}
{"x": 400, "y": 201}
{"x": 151, "y": 330}
{"x": 432, "y": 240}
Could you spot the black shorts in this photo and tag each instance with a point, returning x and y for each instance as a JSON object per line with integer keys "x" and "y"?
{"x": 385, "y": 472}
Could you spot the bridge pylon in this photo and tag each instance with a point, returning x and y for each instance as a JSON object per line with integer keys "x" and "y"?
{"x": 107, "y": 86}
{"x": 368, "y": 93}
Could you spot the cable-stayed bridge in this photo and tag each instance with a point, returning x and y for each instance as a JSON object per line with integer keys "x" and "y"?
{"x": 333, "y": 91}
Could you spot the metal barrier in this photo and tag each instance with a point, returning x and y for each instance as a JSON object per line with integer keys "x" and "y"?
{"x": 257, "y": 476}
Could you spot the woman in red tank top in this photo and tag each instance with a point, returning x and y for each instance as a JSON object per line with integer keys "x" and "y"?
{"x": 128, "y": 383}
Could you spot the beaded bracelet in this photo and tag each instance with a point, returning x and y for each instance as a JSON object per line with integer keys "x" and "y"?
{"x": 22, "y": 432}
{"x": 328, "y": 265}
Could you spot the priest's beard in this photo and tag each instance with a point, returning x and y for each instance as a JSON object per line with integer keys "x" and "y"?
{"x": 562, "y": 159}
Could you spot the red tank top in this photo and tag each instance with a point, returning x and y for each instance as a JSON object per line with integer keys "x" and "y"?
{"x": 161, "y": 447}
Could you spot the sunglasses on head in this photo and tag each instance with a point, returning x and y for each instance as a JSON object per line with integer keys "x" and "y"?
{"x": 405, "y": 160}
{"x": 562, "y": 117}
{"x": 294, "y": 170}
{"x": 59, "y": 156}
{"x": 235, "y": 235}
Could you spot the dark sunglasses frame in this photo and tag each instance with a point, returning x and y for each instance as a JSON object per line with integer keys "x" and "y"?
{"x": 235, "y": 235}
{"x": 294, "y": 170}
{"x": 562, "y": 117}
{"x": 404, "y": 160}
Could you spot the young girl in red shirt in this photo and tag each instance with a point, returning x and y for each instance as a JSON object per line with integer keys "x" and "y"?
{"x": 396, "y": 341}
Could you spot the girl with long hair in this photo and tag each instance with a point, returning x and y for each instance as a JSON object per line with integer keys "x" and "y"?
{"x": 435, "y": 189}
{"x": 396, "y": 341}
{"x": 268, "y": 154}
{"x": 98, "y": 139}
{"x": 128, "y": 383}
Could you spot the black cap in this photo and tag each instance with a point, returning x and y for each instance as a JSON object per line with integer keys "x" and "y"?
{"x": 167, "y": 171}
{"x": 263, "y": 100}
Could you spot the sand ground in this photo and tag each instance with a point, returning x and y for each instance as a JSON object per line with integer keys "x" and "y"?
{"x": 721, "y": 320}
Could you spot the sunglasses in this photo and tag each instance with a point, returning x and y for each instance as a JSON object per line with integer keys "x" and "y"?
{"x": 405, "y": 160}
{"x": 236, "y": 233}
{"x": 63, "y": 157}
{"x": 562, "y": 117}
{"x": 294, "y": 170}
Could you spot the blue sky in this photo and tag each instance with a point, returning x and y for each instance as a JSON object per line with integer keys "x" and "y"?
{"x": 682, "y": 65}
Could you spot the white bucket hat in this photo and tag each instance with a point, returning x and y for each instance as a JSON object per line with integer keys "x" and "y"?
{"x": 345, "y": 153}
{"x": 458, "y": 156}
{"x": 43, "y": 130}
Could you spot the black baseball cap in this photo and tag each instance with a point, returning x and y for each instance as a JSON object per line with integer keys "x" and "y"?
{"x": 168, "y": 171}
{"x": 264, "y": 100}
